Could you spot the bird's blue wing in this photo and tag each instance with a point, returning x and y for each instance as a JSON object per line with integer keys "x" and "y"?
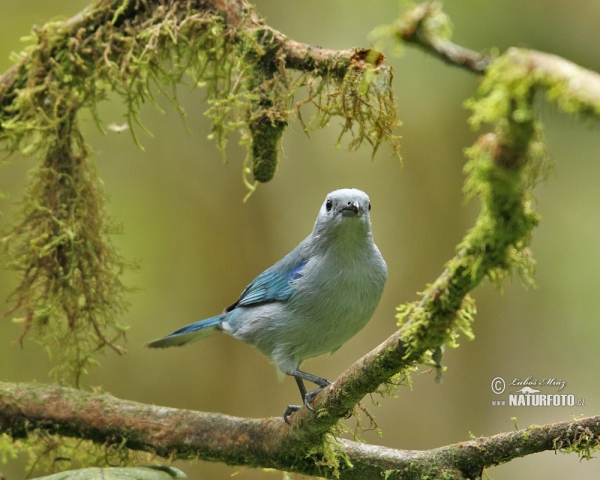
{"x": 270, "y": 286}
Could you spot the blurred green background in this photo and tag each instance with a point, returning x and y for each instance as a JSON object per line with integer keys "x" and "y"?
{"x": 200, "y": 245}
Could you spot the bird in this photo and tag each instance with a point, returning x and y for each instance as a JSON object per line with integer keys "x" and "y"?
{"x": 310, "y": 302}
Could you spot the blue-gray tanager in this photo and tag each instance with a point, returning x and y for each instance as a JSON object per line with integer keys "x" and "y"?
{"x": 311, "y": 301}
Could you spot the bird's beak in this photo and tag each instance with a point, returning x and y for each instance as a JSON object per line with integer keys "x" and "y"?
{"x": 350, "y": 209}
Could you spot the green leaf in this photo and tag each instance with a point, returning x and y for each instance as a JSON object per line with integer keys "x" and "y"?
{"x": 120, "y": 473}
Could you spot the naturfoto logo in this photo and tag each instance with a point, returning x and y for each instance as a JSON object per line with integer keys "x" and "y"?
{"x": 531, "y": 393}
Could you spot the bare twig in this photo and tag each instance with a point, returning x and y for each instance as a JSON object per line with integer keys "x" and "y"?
{"x": 413, "y": 29}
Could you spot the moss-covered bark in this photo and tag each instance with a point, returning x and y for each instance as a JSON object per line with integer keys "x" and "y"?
{"x": 103, "y": 424}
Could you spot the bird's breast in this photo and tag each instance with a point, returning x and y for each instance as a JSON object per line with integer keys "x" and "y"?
{"x": 337, "y": 296}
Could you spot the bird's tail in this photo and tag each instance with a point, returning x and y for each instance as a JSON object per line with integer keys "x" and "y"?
{"x": 189, "y": 333}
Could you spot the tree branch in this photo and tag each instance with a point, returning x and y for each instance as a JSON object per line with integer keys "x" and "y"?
{"x": 428, "y": 325}
{"x": 574, "y": 88}
{"x": 267, "y": 443}
{"x": 223, "y": 45}
{"x": 236, "y": 14}
{"x": 416, "y": 27}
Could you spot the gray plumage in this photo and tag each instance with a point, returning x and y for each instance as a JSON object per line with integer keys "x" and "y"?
{"x": 314, "y": 299}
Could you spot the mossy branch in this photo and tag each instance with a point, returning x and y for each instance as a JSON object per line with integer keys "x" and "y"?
{"x": 573, "y": 88}
{"x": 108, "y": 422}
{"x": 225, "y": 46}
{"x": 520, "y": 73}
{"x": 427, "y": 26}
{"x": 503, "y": 168}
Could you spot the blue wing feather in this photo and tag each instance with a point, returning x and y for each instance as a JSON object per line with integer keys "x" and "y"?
{"x": 270, "y": 286}
{"x": 296, "y": 273}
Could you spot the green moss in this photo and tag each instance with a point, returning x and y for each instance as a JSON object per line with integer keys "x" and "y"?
{"x": 516, "y": 77}
{"x": 248, "y": 88}
{"x": 502, "y": 169}
{"x": 585, "y": 444}
{"x": 364, "y": 100}
{"x": 69, "y": 293}
{"x": 507, "y": 102}
{"x": 506, "y": 94}
{"x": 9, "y": 449}
{"x": 266, "y": 138}
{"x": 330, "y": 455}
{"x": 427, "y": 326}
{"x": 268, "y": 107}
{"x": 426, "y": 18}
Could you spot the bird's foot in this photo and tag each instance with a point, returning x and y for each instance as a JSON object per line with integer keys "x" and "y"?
{"x": 310, "y": 396}
{"x": 289, "y": 410}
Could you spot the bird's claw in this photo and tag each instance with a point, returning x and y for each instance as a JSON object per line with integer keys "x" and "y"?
{"x": 310, "y": 396}
{"x": 289, "y": 410}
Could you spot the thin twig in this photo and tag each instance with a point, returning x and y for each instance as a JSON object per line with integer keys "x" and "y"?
{"x": 413, "y": 29}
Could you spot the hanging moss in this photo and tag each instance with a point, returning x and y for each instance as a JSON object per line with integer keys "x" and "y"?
{"x": 268, "y": 108}
{"x": 70, "y": 294}
{"x": 363, "y": 99}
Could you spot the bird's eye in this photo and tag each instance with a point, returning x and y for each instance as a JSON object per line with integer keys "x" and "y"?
{"x": 328, "y": 205}
{"x": 369, "y": 206}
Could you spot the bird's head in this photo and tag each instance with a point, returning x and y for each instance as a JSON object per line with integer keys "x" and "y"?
{"x": 344, "y": 212}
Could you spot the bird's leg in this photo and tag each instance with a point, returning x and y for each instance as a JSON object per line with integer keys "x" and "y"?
{"x": 307, "y": 398}
{"x": 301, "y": 387}
{"x": 321, "y": 382}
{"x": 294, "y": 408}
